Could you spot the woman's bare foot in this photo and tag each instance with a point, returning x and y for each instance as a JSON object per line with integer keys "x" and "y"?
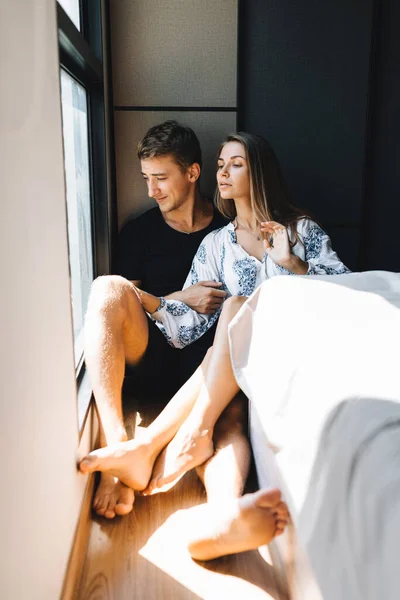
{"x": 131, "y": 462}
{"x": 188, "y": 449}
{"x": 244, "y": 524}
{"x": 112, "y": 497}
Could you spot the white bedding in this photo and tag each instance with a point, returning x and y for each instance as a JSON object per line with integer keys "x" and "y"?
{"x": 319, "y": 360}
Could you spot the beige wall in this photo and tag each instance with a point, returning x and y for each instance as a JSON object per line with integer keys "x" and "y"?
{"x": 168, "y": 55}
{"x": 41, "y": 492}
{"x": 210, "y": 128}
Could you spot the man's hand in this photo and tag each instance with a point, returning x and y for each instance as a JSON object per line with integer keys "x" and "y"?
{"x": 204, "y": 297}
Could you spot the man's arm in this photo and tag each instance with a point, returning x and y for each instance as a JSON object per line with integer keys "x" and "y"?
{"x": 204, "y": 297}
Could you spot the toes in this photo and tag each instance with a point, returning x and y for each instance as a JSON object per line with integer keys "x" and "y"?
{"x": 281, "y": 511}
{"x": 112, "y": 498}
{"x": 280, "y": 527}
{"x": 125, "y": 502}
{"x": 267, "y": 498}
{"x": 123, "y": 509}
{"x": 102, "y": 503}
{"x": 89, "y": 464}
{"x": 96, "y": 502}
{"x": 101, "y": 511}
{"x": 109, "y": 513}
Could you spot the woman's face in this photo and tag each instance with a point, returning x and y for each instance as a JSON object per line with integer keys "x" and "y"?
{"x": 233, "y": 172}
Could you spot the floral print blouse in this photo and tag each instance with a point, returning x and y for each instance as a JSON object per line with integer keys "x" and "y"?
{"x": 220, "y": 258}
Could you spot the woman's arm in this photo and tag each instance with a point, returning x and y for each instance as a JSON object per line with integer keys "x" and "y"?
{"x": 318, "y": 252}
{"x": 149, "y": 302}
{"x": 295, "y": 265}
{"x": 314, "y": 256}
{"x": 181, "y": 324}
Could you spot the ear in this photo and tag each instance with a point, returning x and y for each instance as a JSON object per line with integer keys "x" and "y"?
{"x": 194, "y": 172}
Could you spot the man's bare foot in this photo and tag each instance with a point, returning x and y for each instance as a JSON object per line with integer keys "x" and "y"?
{"x": 112, "y": 497}
{"x": 245, "y": 524}
{"x": 131, "y": 462}
{"x": 187, "y": 450}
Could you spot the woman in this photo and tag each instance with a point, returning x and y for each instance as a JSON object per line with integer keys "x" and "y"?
{"x": 267, "y": 237}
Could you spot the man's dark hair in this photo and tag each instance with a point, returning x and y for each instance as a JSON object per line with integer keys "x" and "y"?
{"x": 171, "y": 138}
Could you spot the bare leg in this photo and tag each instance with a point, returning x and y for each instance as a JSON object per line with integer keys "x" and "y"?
{"x": 229, "y": 523}
{"x": 116, "y": 330}
{"x": 237, "y": 525}
{"x": 193, "y": 444}
{"x": 132, "y": 461}
{"x": 224, "y": 474}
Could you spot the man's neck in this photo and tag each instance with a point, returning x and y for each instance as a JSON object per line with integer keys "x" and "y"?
{"x": 194, "y": 214}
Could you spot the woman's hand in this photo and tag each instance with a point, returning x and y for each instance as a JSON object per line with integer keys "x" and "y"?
{"x": 149, "y": 302}
{"x": 276, "y": 242}
{"x": 277, "y": 245}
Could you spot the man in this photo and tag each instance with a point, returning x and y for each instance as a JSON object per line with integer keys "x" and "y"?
{"x": 156, "y": 251}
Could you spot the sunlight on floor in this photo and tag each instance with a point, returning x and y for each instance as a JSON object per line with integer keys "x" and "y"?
{"x": 166, "y": 550}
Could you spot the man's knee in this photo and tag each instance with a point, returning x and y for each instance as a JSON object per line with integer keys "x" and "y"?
{"x": 111, "y": 293}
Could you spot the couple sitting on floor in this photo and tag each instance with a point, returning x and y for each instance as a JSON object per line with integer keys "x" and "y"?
{"x": 164, "y": 334}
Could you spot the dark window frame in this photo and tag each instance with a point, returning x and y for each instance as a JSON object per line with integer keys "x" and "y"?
{"x": 81, "y": 56}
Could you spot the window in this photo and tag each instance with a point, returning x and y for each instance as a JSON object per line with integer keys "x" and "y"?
{"x": 76, "y": 155}
{"x": 72, "y": 8}
{"x": 86, "y": 167}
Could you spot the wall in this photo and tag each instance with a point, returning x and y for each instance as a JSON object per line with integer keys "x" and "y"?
{"x": 41, "y": 489}
{"x": 304, "y": 81}
{"x": 380, "y": 247}
{"x": 321, "y": 80}
{"x": 171, "y": 60}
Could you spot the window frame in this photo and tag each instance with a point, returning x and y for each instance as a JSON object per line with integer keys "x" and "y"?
{"x": 82, "y": 56}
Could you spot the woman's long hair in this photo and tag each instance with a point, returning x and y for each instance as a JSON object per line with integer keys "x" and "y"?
{"x": 269, "y": 195}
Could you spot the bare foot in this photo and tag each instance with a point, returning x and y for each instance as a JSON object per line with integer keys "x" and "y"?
{"x": 244, "y": 524}
{"x": 112, "y": 497}
{"x": 131, "y": 462}
{"x": 187, "y": 450}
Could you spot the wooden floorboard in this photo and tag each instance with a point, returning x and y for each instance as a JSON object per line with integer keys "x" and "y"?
{"x": 140, "y": 556}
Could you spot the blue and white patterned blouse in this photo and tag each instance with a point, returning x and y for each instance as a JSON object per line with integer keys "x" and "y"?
{"x": 221, "y": 258}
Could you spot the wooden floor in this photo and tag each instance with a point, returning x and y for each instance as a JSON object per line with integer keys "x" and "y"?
{"x": 141, "y": 556}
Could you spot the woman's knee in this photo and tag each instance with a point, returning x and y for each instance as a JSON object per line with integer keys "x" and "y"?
{"x": 233, "y": 304}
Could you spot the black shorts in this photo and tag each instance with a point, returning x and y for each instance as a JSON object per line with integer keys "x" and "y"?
{"x": 164, "y": 369}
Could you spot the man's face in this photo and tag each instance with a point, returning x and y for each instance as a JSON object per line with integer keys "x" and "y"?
{"x": 166, "y": 183}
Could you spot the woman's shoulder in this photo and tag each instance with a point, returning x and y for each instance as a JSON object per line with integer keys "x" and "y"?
{"x": 306, "y": 224}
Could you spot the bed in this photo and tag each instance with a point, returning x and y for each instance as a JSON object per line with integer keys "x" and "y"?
{"x": 318, "y": 358}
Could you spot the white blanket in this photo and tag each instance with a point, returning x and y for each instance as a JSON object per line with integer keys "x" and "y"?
{"x": 319, "y": 360}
